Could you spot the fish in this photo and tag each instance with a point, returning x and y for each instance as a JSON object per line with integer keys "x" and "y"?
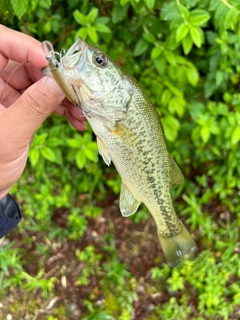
{"x": 129, "y": 134}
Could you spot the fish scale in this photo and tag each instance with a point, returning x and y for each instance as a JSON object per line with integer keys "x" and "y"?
{"x": 129, "y": 134}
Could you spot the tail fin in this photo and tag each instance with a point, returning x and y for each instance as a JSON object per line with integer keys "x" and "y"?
{"x": 177, "y": 246}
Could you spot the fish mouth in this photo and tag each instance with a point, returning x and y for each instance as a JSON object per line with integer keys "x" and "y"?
{"x": 75, "y": 55}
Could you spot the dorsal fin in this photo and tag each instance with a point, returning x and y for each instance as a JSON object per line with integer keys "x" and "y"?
{"x": 177, "y": 176}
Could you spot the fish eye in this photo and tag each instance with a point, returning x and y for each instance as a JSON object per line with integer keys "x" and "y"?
{"x": 100, "y": 60}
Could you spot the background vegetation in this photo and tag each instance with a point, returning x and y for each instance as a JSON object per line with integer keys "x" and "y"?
{"x": 74, "y": 256}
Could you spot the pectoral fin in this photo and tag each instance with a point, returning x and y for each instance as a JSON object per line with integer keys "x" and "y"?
{"x": 128, "y": 204}
{"x": 103, "y": 151}
{"x": 177, "y": 176}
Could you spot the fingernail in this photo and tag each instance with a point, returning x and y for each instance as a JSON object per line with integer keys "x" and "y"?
{"x": 52, "y": 84}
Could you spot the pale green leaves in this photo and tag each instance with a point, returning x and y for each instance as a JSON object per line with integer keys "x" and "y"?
{"x": 91, "y": 25}
{"x": 236, "y": 135}
{"x": 182, "y": 31}
{"x": 207, "y": 124}
{"x": 189, "y": 31}
{"x": 198, "y": 17}
{"x": 179, "y": 67}
{"x": 173, "y": 98}
{"x": 171, "y": 127}
{"x": 149, "y": 4}
{"x": 234, "y": 124}
{"x": 141, "y": 47}
{"x": 19, "y": 7}
{"x": 45, "y": 147}
{"x": 83, "y": 149}
{"x": 92, "y": 15}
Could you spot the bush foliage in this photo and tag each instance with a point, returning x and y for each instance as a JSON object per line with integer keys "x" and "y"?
{"x": 186, "y": 54}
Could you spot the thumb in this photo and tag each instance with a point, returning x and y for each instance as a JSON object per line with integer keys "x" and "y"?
{"x": 28, "y": 112}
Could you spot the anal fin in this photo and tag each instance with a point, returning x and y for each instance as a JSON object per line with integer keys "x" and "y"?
{"x": 128, "y": 204}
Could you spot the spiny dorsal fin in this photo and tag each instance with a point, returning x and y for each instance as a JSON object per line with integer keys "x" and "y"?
{"x": 128, "y": 204}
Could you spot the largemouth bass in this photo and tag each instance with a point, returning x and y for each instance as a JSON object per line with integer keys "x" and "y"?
{"x": 129, "y": 134}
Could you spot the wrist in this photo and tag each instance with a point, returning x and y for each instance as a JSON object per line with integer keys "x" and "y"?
{"x": 4, "y": 193}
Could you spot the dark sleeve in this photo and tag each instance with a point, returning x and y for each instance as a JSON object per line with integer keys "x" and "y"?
{"x": 10, "y": 215}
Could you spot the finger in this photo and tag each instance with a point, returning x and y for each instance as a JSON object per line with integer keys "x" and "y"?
{"x": 73, "y": 109}
{"x": 76, "y": 112}
{"x": 20, "y": 47}
{"x": 20, "y": 76}
{"x": 25, "y": 116}
{"x": 73, "y": 114}
{"x": 79, "y": 125}
{"x": 8, "y": 95}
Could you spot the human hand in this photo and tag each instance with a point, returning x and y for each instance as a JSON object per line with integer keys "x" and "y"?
{"x": 26, "y": 100}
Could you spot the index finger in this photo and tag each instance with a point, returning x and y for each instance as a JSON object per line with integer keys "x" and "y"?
{"x": 20, "y": 47}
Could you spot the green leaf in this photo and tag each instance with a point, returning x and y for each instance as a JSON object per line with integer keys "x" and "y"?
{"x": 102, "y": 20}
{"x": 198, "y": 17}
{"x": 181, "y": 31}
{"x": 149, "y": 37}
{"x": 80, "y": 159}
{"x": 58, "y": 155}
{"x": 209, "y": 86}
{"x": 141, "y": 47}
{"x": 19, "y": 7}
{"x": 48, "y": 154}
{"x": 80, "y": 18}
{"x": 187, "y": 44}
{"x": 45, "y": 4}
{"x": 170, "y": 57}
{"x": 205, "y": 134}
{"x": 54, "y": 142}
{"x": 193, "y": 76}
{"x": 166, "y": 96}
{"x": 156, "y": 52}
{"x": 82, "y": 33}
{"x": 92, "y": 15}
{"x": 102, "y": 28}
{"x": 160, "y": 64}
{"x": 90, "y": 154}
{"x": 169, "y": 10}
{"x": 220, "y": 14}
{"x": 92, "y": 33}
{"x": 47, "y": 26}
{"x": 171, "y": 127}
{"x": 196, "y": 36}
{"x": 219, "y": 77}
{"x": 119, "y": 13}
{"x": 124, "y": 2}
{"x": 235, "y": 135}
{"x": 40, "y": 140}
{"x": 173, "y": 89}
{"x": 231, "y": 18}
{"x": 34, "y": 156}
{"x": 74, "y": 143}
{"x": 149, "y": 3}
{"x": 184, "y": 12}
